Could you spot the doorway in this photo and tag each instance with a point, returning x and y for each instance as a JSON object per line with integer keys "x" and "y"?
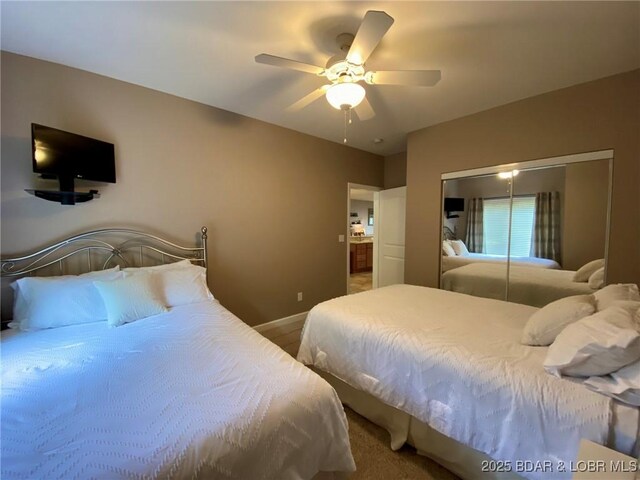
{"x": 360, "y": 236}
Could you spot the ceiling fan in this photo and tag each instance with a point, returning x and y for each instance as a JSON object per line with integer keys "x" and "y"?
{"x": 345, "y": 72}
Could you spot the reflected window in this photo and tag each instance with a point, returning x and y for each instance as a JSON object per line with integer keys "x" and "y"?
{"x": 496, "y": 225}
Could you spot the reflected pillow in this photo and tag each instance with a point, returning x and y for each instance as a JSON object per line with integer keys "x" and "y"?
{"x": 596, "y": 280}
{"x": 543, "y": 326}
{"x": 131, "y": 298}
{"x": 596, "y": 345}
{"x": 459, "y": 247}
{"x": 447, "y": 249}
{"x": 614, "y": 293}
{"x": 50, "y": 302}
{"x": 588, "y": 269}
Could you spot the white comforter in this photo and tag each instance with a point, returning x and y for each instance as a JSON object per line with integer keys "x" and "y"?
{"x": 527, "y": 285}
{"x": 192, "y": 393}
{"x": 455, "y": 363}
{"x": 449, "y": 263}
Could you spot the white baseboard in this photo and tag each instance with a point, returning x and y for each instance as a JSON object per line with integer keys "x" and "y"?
{"x": 281, "y": 322}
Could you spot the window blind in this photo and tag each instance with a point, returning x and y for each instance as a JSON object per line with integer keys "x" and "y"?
{"x": 496, "y": 225}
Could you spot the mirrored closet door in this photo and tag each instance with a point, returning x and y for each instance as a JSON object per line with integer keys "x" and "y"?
{"x": 528, "y": 232}
{"x": 475, "y": 240}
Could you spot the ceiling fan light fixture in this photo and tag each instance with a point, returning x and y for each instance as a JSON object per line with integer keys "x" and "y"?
{"x": 345, "y": 95}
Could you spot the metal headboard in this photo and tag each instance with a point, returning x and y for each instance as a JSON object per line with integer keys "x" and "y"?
{"x": 116, "y": 246}
{"x": 447, "y": 234}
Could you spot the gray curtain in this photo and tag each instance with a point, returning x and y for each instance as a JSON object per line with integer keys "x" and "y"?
{"x": 474, "y": 235}
{"x": 546, "y": 226}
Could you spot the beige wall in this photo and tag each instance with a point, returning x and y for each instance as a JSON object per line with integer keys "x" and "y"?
{"x": 181, "y": 165}
{"x": 593, "y": 116}
{"x": 585, "y": 213}
{"x": 395, "y": 170}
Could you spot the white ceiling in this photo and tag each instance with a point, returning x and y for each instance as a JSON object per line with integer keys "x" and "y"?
{"x": 490, "y": 53}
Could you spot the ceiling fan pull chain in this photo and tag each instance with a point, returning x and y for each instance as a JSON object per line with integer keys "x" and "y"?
{"x": 350, "y": 116}
{"x": 345, "y": 127}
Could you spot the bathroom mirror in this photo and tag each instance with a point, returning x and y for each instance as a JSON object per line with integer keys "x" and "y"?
{"x": 521, "y": 231}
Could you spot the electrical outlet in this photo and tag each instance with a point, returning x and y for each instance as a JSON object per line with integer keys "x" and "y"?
{"x": 299, "y": 296}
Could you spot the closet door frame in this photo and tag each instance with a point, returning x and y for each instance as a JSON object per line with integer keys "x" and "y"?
{"x": 528, "y": 165}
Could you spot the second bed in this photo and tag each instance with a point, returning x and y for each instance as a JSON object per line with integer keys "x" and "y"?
{"x": 447, "y": 373}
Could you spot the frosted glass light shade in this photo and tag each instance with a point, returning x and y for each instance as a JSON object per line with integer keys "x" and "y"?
{"x": 348, "y": 94}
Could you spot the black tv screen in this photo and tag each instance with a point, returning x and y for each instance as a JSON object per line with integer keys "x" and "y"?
{"x": 67, "y": 155}
{"x": 453, "y": 204}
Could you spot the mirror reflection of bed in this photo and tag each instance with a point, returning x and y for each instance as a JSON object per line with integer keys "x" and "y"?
{"x": 528, "y": 233}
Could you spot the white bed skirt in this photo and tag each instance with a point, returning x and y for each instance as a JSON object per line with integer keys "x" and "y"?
{"x": 464, "y": 461}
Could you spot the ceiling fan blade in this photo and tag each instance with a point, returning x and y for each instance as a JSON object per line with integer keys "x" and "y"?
{"x": 286, "y": 63}
{"x": 420, "y": 78}
{"x": 364, "y": 110}
{"x": 308, "y": 99}
{"x": 373, "y": 27}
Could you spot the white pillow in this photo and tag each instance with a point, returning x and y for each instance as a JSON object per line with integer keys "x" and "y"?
{"x": 613, "y": 293}
{"x": 157, "y": 268}
{"x": 596, "y": 345}
{"x": 623, "y": 385}
{"x": 447, "y": 249}
{"x": 19, "y": 302}
{"x": 459, "y": 247}
{"x": 131, "y": 298}
{"x": 181, "y": 286}
{"x": 596, "y": 280}
{"x": 50, "y": 302}
{"x": 632, "y": 305}
{"x": 585, "y": 271}
{"x": 543, "y": 326}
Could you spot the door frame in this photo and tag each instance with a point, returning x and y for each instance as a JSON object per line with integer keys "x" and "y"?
{"x": 347, "y": 236}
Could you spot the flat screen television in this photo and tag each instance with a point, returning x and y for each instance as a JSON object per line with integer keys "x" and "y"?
{"x": 453, "y": 204}
{"x": 67, "y": 156}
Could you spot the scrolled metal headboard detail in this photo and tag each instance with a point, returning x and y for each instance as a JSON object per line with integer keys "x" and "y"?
{"x": 447, "y": 234}
{"x": 113, "y": 245}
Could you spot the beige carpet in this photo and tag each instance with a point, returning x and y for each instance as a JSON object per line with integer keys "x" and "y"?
{"x": 375, "y": 459}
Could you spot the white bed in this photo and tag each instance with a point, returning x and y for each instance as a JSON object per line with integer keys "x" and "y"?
{"x": 454, "y": 364}
{"x": 190, "y": 393}
{"x": 530, "y": 286}
{"x": 194, "y": 392}
{"x": 450, "y": 262}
